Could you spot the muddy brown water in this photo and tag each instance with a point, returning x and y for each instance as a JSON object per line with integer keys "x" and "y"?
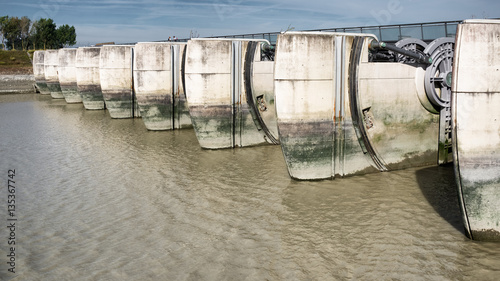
{"x": 105, "y": 199}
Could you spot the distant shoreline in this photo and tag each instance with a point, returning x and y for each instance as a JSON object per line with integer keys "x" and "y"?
{"x": 16, "y": 72}
{"x": 17, "y": 83}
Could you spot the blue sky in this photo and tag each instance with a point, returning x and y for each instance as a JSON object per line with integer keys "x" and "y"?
{"x": 124, "y": 21}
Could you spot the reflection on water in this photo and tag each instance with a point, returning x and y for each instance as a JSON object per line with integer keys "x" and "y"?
{"x": 105, "y": 199}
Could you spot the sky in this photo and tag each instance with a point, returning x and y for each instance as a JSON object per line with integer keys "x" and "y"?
{"x": 129, "y": 21}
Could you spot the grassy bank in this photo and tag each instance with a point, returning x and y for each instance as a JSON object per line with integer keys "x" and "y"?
{"x": 15, "y": 62}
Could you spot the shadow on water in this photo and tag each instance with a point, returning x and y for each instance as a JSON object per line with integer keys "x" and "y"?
{"x": 437, "y": 184}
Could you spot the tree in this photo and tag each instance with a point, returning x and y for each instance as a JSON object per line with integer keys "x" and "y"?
{"x": 3, "y": 23}
{"x": 34, "y": 35}
{"x": 12, "y": 31}
{"x": 42, "y": 33}
{"x": 25, "y": 24}
{"x": 46, "y": 28}
{"x": 66, "y": 36}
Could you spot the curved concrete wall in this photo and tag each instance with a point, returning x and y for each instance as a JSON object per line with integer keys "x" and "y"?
{"x": 401, "y": 132}
{"x": 259, "y": 90}
{"x": 338, "y": 114}
{"x": 158, "y": 85}
{"x": 87, "y": 77}
{"x": 39, "y": 72}
{"x": 67, "y": 75}
{"x": 51, "y": 67}
{"x": 215, "y": 90}
{"x": 263, "y": 95}
{"x": 115, "y": 67}
{"x": 476, "y": 126}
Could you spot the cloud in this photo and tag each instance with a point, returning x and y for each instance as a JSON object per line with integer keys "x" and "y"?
{"x": 138, "y": 20}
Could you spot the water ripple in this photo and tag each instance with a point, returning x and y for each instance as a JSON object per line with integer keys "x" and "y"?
{"x": 104, "y": 199}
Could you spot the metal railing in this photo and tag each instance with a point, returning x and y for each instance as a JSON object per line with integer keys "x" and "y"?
{"x": 426, "y": 31}
{"x": 387, "y": 33}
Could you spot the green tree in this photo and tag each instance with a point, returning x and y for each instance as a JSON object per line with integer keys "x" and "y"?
{"x": 46, "y": 28}
{"x": 66, "y": 35}
{"x": 42, "y": 33}
{"x": 13, "y": 31}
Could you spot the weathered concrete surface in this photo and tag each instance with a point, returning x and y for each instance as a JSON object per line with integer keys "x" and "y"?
{"x": 400, "y": 130}
{"x": 158, "y": 85}
{"x": 262, "y": 96}
{"x": 39, "y": 72}
{"x": 87, "y": 77}
{"x": 476, "y": 126}
{"x": 115, "y": 66}
{"x": 51, "y": 68}
{"x": 316, "y": 131}
{"x": 67, "y": 75}
{"x": 215, "y": 91}
{"x": 340, "y": 115}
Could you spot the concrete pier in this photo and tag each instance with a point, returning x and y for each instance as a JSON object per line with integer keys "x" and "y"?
{"x": 399, "y": 130}
{"x": 87, "y": 77}
{"x": 51, "y": 67}
{"x": 67, "y": 75}
{"x": 115, "y": 67}
{"x": 39, "y": 72}
{"x": 216, "y": 94}
{"x": 159, "y": 87}
{"x": 476, "y": 126}
{"x": 340, "y": 115}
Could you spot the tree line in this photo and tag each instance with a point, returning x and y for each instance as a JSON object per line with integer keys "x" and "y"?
{"x": 24, "y": 34}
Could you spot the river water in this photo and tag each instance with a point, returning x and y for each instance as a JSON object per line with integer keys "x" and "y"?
{"x": 104, "y": 199}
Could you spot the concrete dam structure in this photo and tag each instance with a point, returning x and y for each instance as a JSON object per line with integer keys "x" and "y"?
{"x": 341, "y": 114}
{"x": 88, "y": 77}
{"x": 159, "y": 85}
{"x": 338, "y": 104}
{"x": 67, "y": 75}
{"x": 50, "y": 66}
{"x": 476, "y": 126}
{"x": 221, "y": 75}
{"x": 115, "y": 72}
{"x": 39, "y": 72}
